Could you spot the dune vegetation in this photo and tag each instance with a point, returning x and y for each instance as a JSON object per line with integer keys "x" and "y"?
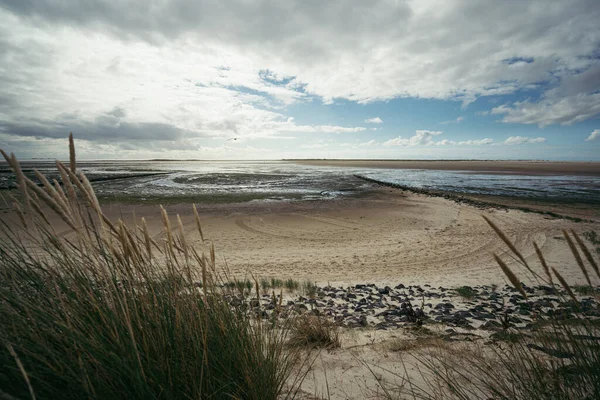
{"x": 92, "y": 308}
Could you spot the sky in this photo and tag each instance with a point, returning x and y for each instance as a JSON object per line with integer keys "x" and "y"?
{"x": 273, "y": 79}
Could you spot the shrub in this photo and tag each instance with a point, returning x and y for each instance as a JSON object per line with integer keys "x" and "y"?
{"x": 314, "y": 331}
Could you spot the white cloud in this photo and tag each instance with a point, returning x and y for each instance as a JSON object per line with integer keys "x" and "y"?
{"x": 564, "y": 111}
{"x": 594, "y": 135}
{"x": 375, "y": 120}
{"x": 453, "y": 121}
{"x": 420, "y": 138}
{"x": 335, "y": 129}
{"x": 370, "y": 143}
{"x": 513, "y": 140}
{"x": 477, "y": 142}
{"x": 318, "y": 145}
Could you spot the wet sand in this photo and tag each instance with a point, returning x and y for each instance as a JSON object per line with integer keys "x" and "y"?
{"x": 473, "y": 166}
{"x": 388, "y": 236}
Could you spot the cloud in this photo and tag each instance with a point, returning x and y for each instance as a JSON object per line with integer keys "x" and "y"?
{"x": 375, "y": 120}
{"x": 573, "y": 100}
{"x": 191, "y": 69}
{"x": 563, "y": 111}
{"x": 453, "y": 121}
{"x": 426, "y": 138}
{"x": 594, "y": 135}
{"x": 420, "y": 138}
{"x": 370, "y": 143}
{"x": 318, "y": 145}
{"x": 334, "y": 129}
{"x": 398, "y": 55}
{"x": 514, "y": 140}
{"x": 476, "y": 142}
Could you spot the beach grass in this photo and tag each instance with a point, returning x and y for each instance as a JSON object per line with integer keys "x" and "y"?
{"x": 309, "y": 288}
{"x": 559, "y": 359}
{"x": 93, "y": 308}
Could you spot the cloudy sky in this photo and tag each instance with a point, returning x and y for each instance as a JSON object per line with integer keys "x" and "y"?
{"x": 269, "y": 79}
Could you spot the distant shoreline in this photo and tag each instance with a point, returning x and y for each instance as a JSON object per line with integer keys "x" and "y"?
{"x": 591, "y": 168}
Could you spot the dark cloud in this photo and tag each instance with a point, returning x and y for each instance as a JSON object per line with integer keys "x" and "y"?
{"x": 587, "y": 81}
{"x": 104, "y": 129}
{"x": 238, "y": 20}
{"x": 117, "y": 112}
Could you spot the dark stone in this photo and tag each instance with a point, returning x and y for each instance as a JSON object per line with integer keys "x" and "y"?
{"x": 492, "y": 325}
{"x": 444, "y": 306}
{"x": 385, "y": 290}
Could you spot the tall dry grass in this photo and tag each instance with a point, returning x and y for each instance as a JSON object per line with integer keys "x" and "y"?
{"x": 94, "y": 308}
{"x": 558, "y": 359}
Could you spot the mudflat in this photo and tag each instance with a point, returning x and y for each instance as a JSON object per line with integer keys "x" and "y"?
{"x": 474, "y": 166}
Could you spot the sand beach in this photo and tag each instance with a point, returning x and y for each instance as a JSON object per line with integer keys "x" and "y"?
{"x": 386, "y": 244}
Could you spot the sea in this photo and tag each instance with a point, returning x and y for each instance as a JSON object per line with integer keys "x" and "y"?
{"x": 285, "y": 181}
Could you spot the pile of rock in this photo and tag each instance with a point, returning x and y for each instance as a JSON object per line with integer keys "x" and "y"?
{"x": 385, "y": 307}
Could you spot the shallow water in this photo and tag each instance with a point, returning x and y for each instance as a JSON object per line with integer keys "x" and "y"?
{"x": 273, "y": 180}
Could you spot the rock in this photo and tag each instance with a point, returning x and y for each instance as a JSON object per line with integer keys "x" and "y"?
{"x": 385, "y": 290}
{"x": 492, "y": 325}
{"x": 444, "y": 306}
{"x": 482, "y": 316}
{"x": 363, "y": 320}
